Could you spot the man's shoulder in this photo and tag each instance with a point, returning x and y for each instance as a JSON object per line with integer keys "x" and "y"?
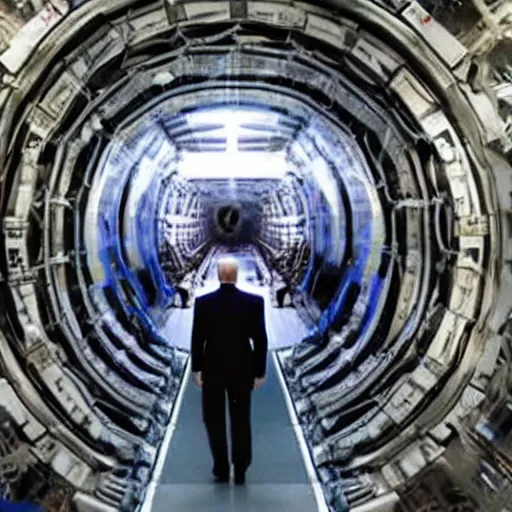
{"x": 201, "y": 299}
{"x": 251, "y": 297}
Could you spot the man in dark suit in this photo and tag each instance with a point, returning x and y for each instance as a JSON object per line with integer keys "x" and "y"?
{"x": 224, "y": 362}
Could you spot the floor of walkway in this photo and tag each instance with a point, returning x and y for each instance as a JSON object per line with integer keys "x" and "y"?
{"x": 276, "y": 481}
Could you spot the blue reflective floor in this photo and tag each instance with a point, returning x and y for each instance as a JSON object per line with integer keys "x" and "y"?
{"x": 276, "y": 481}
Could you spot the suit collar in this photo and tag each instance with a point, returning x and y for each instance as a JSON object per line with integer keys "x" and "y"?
{"x": 227, "y": 286}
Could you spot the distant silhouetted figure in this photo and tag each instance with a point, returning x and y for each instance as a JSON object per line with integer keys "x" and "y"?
{"x": 224, "y": 362}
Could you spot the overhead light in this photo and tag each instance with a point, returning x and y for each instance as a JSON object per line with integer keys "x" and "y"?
{"x": 245, "y": 165}
{"x": 230, "y": 117}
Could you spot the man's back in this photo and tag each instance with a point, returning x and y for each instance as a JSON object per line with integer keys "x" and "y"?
{"x": 225, "y": 364}
{"x": 227, "y": 320}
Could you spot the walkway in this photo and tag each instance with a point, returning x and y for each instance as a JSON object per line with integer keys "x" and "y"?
{"x": 276, "y": 481}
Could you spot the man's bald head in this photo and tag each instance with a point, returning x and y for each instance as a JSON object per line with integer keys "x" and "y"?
{"x": 228, "y": 270}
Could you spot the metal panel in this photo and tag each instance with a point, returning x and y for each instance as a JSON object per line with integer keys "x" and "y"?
{"x": 276, "y": 14}
{"x": 32, "y": 428}
{"x": 413, "y": 93}
{"x": 444, "y": 347}
{"x": 446, "y": 45}
{"x": 327, "y": 30}
{"x": 374, "y": 55}
{"x": 207, "y": 12}
{"x": 60, "y": 96}
{"x": 29, "y": 37}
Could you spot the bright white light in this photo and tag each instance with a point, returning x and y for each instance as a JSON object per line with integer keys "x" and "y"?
{"x": 233, "y": 165}
{"x": 226, "y": 117}
{"x": 232, "y": 131}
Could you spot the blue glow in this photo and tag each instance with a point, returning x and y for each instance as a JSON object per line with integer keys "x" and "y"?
{"x": 8, "y": 506}
{"x": 308, "y": 188}
{"x": 147, "y": 222}
{"x": 352, "y": 274}
{"x": 119, "y": 276}
{"x": 376, "y": 287}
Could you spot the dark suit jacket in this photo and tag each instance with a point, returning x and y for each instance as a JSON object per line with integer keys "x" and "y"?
{"x": 224, "y": 323}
